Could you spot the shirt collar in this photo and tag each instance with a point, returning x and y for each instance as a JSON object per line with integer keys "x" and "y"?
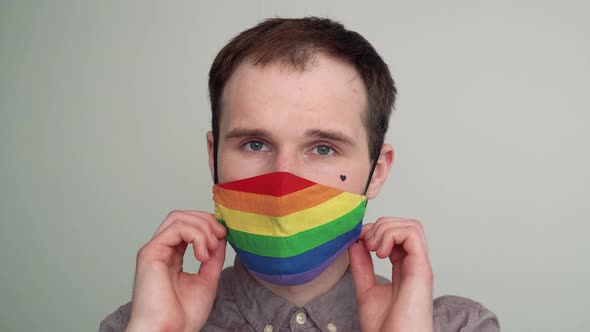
{"x": 261, "y": 307}
{"x": 338, "y": 306}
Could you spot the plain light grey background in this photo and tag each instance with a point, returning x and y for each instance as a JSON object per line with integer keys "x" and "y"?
{"x": 104, "y": 111}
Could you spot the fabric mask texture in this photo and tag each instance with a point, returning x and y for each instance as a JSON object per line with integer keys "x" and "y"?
{"x": 285, "y": 229}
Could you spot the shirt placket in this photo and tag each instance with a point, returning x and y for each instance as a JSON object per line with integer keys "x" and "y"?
{"x": 300, "y": 321}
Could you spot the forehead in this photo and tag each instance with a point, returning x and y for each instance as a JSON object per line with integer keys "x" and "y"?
{"x": 328, "y": 92}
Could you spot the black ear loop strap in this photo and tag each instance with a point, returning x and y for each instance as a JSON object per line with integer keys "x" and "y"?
{"x": 215, "y": 148}
{"x": 370, "y": 178}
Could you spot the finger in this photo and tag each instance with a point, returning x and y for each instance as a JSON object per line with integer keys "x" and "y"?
{"x": 375, "y": 234}
{"x": 403, "y": 246}
{"x": 170, "y": 218}
{"x": 385, "y": 221}
{"x": 386, "y": 242}
{"x": 383, "y": 237}
{"x": 205, "y": 222}
{"x": 181, "y": 248}
{"x": 201, "y": 251}
{"x": 389, "y": 242}
{"x": 210, "y": 239}
{"x": 193, "y": 216}
{"x": 361, "y": 266}
{"x": 366, "y": 229}
{"x": 180, "y": 232}
{"x": 218, "y": 229}
{"x": 397, "y": 254}
{"x": 211, "y": 269}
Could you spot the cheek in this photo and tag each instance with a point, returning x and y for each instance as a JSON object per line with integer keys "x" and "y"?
{"x": 343, "y": 178}
{"x": 352, "y": 183}
{"x": 231, "y": 167}
{"x": 232, "y": 171}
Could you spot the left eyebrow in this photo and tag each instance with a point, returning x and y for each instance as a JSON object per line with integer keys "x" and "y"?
{"x": 330, "y": 135}
{"x": 246, "y": 132}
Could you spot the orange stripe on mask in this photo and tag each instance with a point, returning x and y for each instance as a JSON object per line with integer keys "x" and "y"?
{"x": 272, "y": 205}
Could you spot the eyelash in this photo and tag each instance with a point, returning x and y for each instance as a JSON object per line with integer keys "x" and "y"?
{"x": 333, "y": 150}
{"x": 247, "y": 143}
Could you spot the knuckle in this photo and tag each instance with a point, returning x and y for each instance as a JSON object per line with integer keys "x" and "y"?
{"x": 175, "y": 214}
{"x": 415, "y": 223}
{"x": 178, "y": 223}
{"x": 197, "y": 234}
{"x": 143, "y": 253}
{"x": 380, "y": 224}
{"x": 389, "y": 233}
{"x": 381, "y": 220}
{"x": 149, "y": 254}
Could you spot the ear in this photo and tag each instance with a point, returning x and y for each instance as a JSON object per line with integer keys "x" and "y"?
{"x": 210, "y": 142}
{"x": 381, "y": 172}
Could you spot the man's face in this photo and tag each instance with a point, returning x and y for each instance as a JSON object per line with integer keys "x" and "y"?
{"x": 307, "y": 123}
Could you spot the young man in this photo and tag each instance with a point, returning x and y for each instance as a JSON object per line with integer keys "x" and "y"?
{"x": 301, "y": 100}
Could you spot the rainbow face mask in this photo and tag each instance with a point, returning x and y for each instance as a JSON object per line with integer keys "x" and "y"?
{"x": 285, "y": 229}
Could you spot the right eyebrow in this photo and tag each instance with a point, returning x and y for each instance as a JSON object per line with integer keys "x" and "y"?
{"x": 244, "y": 132}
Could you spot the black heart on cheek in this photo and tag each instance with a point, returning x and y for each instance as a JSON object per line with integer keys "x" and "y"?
{"x": 342, "y": 177}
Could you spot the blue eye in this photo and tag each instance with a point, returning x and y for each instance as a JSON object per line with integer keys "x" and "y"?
{"x": 256, "y": 146}
{"x": 323, "y": 150}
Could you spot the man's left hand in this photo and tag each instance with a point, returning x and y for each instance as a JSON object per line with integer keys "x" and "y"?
{"x": 406, "y": 303}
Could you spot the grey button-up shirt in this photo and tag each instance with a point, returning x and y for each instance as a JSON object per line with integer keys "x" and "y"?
{"x": 242, "y": 304}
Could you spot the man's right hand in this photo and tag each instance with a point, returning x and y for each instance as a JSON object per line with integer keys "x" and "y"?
{"x": 165, "y": 298}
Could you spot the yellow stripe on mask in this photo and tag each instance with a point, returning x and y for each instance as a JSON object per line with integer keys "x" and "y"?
{"x": 290, "y": 224}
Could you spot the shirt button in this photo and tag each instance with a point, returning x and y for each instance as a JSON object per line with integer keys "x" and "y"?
{"x": 332, "y": 327}
{"x": 300, "y": 318}
{"x": 268, "y": 328}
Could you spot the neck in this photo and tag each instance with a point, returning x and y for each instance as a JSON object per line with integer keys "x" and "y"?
{"x": 301, "y": 295}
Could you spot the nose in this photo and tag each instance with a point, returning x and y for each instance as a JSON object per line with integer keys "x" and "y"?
{"x": 286, "y": 160}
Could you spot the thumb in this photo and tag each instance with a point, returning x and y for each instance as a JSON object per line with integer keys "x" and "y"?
{"x": 361, "y": 266}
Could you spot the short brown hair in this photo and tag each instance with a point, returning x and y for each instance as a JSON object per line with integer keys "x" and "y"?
{"x": 294, "y": 42}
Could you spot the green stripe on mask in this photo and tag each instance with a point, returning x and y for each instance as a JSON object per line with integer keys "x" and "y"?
{"x": 296, "y": 244}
